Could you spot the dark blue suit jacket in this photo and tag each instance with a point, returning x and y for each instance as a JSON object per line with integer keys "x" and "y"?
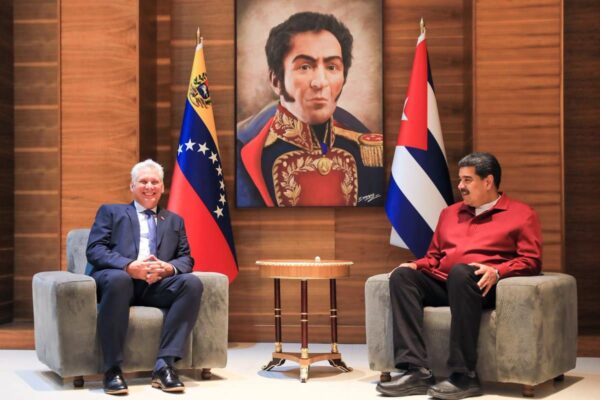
{"x": 115, "y": 237}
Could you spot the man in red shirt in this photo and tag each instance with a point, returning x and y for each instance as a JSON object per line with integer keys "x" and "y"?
{"x": 478, "y": 241}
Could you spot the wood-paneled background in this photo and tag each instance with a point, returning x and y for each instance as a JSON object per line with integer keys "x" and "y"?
{"x": 7, "y": 171}
{"x": 37, "y": 193}
{"x": 517, "y": 103}
{"x": 582, "y": 150}
{"x": 100, "y": 106}
{"x": 116, "y": 78}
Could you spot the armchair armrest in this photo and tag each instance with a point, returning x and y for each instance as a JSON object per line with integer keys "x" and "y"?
{"x": 378, "y": 321}
{"x": 536, "y": 327}
{"x": 64, "y": 310}
{"x": 209, "y": 337}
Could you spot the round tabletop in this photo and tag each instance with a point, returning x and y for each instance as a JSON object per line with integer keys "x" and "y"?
{"x": 304, "y": 269}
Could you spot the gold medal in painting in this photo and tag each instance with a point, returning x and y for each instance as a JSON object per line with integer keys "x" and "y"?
{"x": 324, "y": 165}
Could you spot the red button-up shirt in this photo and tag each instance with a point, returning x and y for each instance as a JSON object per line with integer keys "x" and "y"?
{"x": 506, "y": 237}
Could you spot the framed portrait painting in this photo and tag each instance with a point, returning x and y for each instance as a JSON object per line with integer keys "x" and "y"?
{"x": 309, "y": 125}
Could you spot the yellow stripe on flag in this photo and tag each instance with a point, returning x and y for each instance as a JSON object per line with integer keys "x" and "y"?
{"x": 197, "y": 98}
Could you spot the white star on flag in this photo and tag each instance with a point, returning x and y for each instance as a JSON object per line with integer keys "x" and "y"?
{"x": 213, "y": 157}
{"x": 203, "y": 148}
{"x": 222, "y": 199}
{"x": 222, "y": 185}
{"x": 219, "y": 170}
{"x": 219, "y": 212}
{"x": 179, "y": 149}
{"x": 189, "y": 145}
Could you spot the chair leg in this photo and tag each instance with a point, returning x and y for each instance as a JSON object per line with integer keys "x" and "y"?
{"x": 206, "y": 374}
{"x": 385, "y": 377}
{"x": 78, "y": 381}
{"x": 528, "y": 391}
{"x": 559, "y": 378}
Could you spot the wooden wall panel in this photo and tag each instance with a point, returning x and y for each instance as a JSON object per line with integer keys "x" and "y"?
{"x": 582, "y": 163}
{"x": 7, "y": 163}
{"x": 164, "y": 142}
{"x": 517, "y": 102}
{"x": 147, "y": 78}
{"x": 99, "y": 106}
{"x": 37, "y": 145}
{"x": 358, "y": 234}
{"x": 18, "y": 335}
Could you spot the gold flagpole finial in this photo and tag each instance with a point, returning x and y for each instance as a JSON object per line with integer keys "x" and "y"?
{"x": 422, "y": 24}
{"x": 198, "y": 37}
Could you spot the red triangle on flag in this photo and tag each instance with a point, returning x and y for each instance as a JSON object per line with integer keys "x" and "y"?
{"x": 413, "y": 127}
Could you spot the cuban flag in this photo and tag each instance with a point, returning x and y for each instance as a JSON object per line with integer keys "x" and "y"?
{"x": 198, "y": 186}
{"x": 420, "y": 184}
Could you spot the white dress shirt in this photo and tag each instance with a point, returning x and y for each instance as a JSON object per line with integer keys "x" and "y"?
{"x": 144, "y": 245}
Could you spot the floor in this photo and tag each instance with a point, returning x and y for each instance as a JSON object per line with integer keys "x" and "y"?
{"x": 23, "y": 377}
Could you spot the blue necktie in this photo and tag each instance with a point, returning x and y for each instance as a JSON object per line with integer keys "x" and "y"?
{"x": 151, "y": 230}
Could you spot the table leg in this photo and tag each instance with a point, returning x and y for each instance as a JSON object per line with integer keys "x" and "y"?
{"x": 276, "y": 362}
{"x": 304, "y": 317}
{"x": 277, "y": 289}
{"x": 304, "y": 373}
{"x": 304, "y": 326}
{"x": 333, "y": 314}
{"x": 334, "y": 338}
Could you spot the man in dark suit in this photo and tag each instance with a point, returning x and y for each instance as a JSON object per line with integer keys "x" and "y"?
{"x": 138, "y": 254}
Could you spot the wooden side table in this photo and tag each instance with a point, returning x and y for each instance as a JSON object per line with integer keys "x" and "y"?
{"x": 304, "y": 270}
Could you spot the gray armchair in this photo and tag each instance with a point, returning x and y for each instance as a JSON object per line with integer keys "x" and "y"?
{"x": 529, "y": 338}
{"x": 64, "y": 309}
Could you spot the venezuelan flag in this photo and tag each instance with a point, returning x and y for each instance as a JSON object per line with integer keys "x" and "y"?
{"x": 198, "y": 186}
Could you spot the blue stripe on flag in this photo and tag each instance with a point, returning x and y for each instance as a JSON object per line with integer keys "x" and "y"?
{"x": 434, "y": 164}
{"x": 200, "y": 170}
{"x": 407, "y": 221}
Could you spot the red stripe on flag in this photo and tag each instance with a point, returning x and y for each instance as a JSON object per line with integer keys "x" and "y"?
{"x": 413, "y": 128}
{"x": 209, "y": 247}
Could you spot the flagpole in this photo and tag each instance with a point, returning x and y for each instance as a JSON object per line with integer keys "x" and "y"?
{"x": 198, "y": 37}
{"x": 422, "y": 24}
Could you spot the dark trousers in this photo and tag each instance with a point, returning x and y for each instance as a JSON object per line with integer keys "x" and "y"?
{"x": 179, "y": 295}
{"x": 412, "y": 290}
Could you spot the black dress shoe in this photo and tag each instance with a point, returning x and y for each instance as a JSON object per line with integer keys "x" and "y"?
{"x": 457, "y": 386}
{"x": 113, "y": 382}
{"x": 166, "y": 379}
{"x": 411, "y": 382}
